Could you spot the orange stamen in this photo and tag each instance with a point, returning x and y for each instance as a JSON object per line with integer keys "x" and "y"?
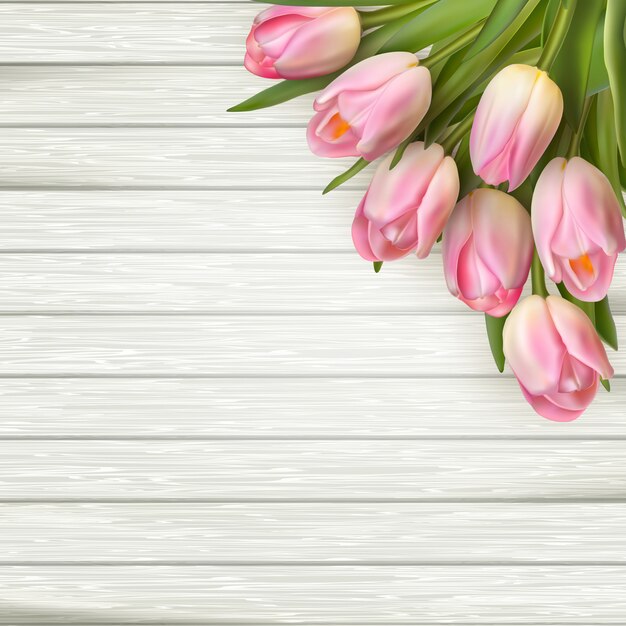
{"x": 338, "y": 126}
{"x": 582, "y": 265}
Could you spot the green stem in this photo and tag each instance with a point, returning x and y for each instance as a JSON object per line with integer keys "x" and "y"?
{"x": 371, "y": 19}
{"x": 574, "y": 144}
{"x": 538, "y": 278}
{"x": 453, "y": 46}
{"x": 557, "y": 34}
{"x": 457, "y": 133}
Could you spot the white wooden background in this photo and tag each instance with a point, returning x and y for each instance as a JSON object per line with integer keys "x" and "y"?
{"x": 212, "y": 412}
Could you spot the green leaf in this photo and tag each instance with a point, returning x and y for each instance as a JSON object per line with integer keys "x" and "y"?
{"x": 468, "y": 180}
{"x": 501, "y": 17}
{"x": 570, "y": 70}
{"x": 438, "y": 21}
{"x": 377, "y": 266}
{"x": 347, "y": 175}
{"x": 598, "y": 76}
{"x": 605, "y": 324}
{"x": 281, "y": 92}
{"x": 606, "y": 384}
{"x": 548, "y": 20}
{"x": 495, "y": 325}
{"x": 615, "y": 59}
{"x": 289, "y": 89}
{"x": 602, "y": 143}
{"x": 586, "y": 307}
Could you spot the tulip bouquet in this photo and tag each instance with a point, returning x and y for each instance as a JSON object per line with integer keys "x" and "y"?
{"x": 502, "y": 127}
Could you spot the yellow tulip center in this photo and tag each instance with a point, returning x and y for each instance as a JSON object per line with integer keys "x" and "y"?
{"x": 338, "y": 126}
{"x": 582, "y": 265}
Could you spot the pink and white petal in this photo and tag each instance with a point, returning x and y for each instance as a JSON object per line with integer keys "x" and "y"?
{"x": 437, "y": 204}
{"x": 321, "y": 46}
{"x": 368, "y": 74}
{"x": 475, "y": 280}
{"x": 543, "y": 406}
{"x": 507, "y": 303}
{"x": 535, "y": 130}
{"x": 547, "y": 211}
{"x": 532, "y": 345}
{"x": 399, "y": 109}
{"x": 455, "y": 235}
{"x": 342, "y": 147}
{"x": 280, "y": 10}
{"x": 499, "y": 111}
{"x": 393, "y": 193}
{"x": 274, "y": 35}
{"x": 594, "y": 205}
{"x": 598, "y": 288}
{"x": 382, "y": 247}
{"x": 503, "y": 236}
{"x": 360, "y": 234}
{"x": 578, "y": 335}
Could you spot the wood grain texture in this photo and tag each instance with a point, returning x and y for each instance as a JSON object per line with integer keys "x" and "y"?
{"x": 427, "y": 533}
{"x": 170, "y": 157}
{"x": 221, "y": 283}
{"x": 282, "y": 408}
{"x": 309, "y": 345}
{"x": 138, "y": 95}
{"x": 124, "y": 32}
{"x": 315, "y": 470}
{"x": 322, "y": 595}
{"x": 231, "y": 220}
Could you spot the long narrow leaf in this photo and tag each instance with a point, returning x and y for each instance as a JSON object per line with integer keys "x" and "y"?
{"x": 439, "y": 21}
{"x": 570, "y": 69}
{"x": 598, "y": 76}
{"x": 586, "y": 307}
{"x": 615, "y": 59}
{"x": 605, "y": 324}
{"x": 501, "y": 17}
{"x": 495, "y": 325}
{"x": 468, "y": 180}
{"x": 347, "y": 175}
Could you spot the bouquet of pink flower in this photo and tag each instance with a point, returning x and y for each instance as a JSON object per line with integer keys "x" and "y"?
{"x": 505, "y": 139}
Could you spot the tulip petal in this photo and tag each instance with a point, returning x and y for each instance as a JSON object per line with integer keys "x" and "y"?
{"x": 532, "y": 346}
{"x": 368, "y": 74}
{"x": 594, "y": 206}
{"x": 341, "y": 147}
{"x": 321, "y": 46}
{"x": 437, "y": 204}
{"x": 455, "y": 235}
{"x": 360, "y": 234}
{"x": 399, "y": 108}
{"x": 578, "y": 335}
{"x": 546, "y": 214}
{"x": 274, "y": 35}
{"x": 544, "y": 406}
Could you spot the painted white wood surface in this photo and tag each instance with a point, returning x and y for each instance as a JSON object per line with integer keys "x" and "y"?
{"x": 314, "y": 533}
{"x": 197, "y": 372}
{"x": 333, "y": 595}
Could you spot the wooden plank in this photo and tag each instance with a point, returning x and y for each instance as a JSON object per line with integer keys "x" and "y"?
{"x": 388, "y": 534}
{"x": 221, "y": 283}
{"x": 348, "y": 470}
{"x": 288, "y": 408}
{"x": 125, "y": 32}
{"x": 165, "y": 157}
{"x": 125, "y": 95}
{"x": 321, "y": 595}
{"x": 298, "y": 345}
{"x": 179, "y": 220}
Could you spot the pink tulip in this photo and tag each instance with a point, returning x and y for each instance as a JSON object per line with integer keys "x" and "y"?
{"x": 577, "y": 226}
{"x": 515, "y": 121}
{"x": 556, "y": 356}
{"x": 487, "y": 251}
{"x": 302, "y": 42}
{"x": 371, "y": 107}
{"x": 406, "y": 208}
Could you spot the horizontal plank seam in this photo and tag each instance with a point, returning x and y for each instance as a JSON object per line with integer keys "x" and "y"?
{"x": 314, "y": 438}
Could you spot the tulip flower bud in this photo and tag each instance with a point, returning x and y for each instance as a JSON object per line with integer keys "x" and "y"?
{"x": 515, "y": 121}
{"x": 487, "y": 251}
{"x": 577, "y": 226}
{"x": 302, "y": 42}
{"x": 371, "y": 108}
{"x": 406, "y": 208}
{"x": 556, "y": 356}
